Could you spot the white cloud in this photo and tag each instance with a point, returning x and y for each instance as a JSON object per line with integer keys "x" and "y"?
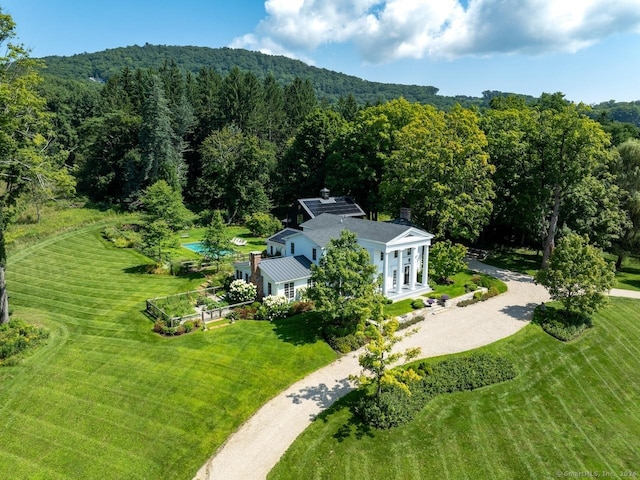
{"x": 389, "y": 30}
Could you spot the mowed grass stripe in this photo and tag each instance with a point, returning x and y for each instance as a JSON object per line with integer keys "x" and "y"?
{"x": 138, "y": 405}
{"x": 572, "y": 407}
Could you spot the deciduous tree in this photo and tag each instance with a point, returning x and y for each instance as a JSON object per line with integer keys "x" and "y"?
{"x": 215, "y": 241}
{"x": 446, "y": 259}
{"x": 577, "y": 275}
{"x": 26, "y": 165}
{"x": 379, "y": 357}
{"x": 627, "y": 171}
{"x": 345, "y": 289}
{"x": 440, "y": 169}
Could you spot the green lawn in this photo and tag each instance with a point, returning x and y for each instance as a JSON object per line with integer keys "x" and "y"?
{"x": 528, "y": 261}
{"x": 460, "y": 279}
{"x": 572, "y": 408}
{"x": 107, "y": 398}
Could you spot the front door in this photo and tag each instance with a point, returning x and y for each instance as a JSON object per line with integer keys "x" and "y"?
{"x": 406, "y": 274}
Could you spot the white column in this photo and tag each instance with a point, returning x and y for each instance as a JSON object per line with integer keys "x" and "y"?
{"x": 425, "y": 266}
{"x": 385, "y": 271}
{"x": 400, "y": 278}
{"x": 413, "y": 271}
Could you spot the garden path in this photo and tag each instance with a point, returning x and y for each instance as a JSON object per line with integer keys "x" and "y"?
{"x": 254, "y": 449}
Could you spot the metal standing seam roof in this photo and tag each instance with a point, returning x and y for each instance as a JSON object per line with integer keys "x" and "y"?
{"x": 286, "y": 269}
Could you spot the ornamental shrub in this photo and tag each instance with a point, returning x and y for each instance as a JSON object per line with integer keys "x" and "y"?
{"x": 276, "y": 307}
{"x": 241, "y": 291}
{"x": 394, "y": 407}
{"x": 416, "y": 304}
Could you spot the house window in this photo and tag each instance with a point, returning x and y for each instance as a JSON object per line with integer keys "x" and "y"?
{"x": 269, "y": 288}
{"x": 395, "y": 278}
{"x": 271, "y": 250}
{"x": 314, "y": 254}
{"x": 309, "y": 283}
{"x": 382, "y": 256}
{"x": 246, "y": 277}
{"x": 238, "y": 274}
{"x": 289, "y": 290}
{"x": 293, "y": 248}
{"x": 395, "y": 254}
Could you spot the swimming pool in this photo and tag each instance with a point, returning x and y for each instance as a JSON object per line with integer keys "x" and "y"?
{"x": 197, "y": 247}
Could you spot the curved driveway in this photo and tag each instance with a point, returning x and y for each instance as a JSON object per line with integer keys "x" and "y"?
{"x": 254, "y": 449}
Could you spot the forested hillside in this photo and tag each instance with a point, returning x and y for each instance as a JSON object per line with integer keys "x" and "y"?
{"x": 245, "y": 133}
{"x": 329, "y": 85}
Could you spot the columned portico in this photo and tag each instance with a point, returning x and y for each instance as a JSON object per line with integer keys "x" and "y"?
{"x": 400, "y": 268}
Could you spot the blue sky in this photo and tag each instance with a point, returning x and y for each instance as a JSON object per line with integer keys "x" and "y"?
{"x": 587, "y": 49}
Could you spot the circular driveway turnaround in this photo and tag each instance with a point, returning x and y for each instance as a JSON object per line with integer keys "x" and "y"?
{"x": 254, "y": 449}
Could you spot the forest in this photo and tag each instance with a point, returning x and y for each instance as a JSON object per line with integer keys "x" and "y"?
{"x": 516, "y": 171}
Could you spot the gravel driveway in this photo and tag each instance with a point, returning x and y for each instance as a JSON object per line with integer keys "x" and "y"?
{"x": 253, "y": 450}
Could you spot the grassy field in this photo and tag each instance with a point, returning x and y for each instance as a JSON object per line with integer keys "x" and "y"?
{"x": 107, "y": 398}
{"x": 573, "y": 407}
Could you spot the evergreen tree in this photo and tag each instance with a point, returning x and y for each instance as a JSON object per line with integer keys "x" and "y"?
{"x": 160, "y": 147}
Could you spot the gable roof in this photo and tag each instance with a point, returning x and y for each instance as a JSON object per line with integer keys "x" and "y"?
{"x": 281, "y": 235}
{"x": 286, "y": 269}
{"x": 321, "y": 236}
{"x": 382, "y": 232}
{"x": 336, "y": 205}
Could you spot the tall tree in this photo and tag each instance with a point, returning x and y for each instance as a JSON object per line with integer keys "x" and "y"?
{"x": 104, "y": 157}
{"x": 241, "y": 100}
{"x": 627, "y": 171}
{"x": 440, "y": 169}
{"x": 236, "y": 173}
{"x": 273, "y": 111}
{"x": 25, "y": 164}
{"x": 304, "y": 163}
{"x": 160, "y": 147}
{"x": 358, "y": 157}
{"x": 300, "y": 100}
{"x": 544, "y": 156}
{"x": 570, "y": 146}
{"x": 215, "y": 241}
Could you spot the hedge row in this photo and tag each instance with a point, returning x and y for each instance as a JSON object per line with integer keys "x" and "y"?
{"x": 394, "y": 407}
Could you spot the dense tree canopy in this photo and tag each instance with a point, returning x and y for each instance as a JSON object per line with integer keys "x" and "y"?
{"x": 440, "y": 169}
{"x": 27, "y": 164}
{"x": 546, "y": 156}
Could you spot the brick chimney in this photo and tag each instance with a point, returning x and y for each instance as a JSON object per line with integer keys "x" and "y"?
{"x": 405, "y": 214}
{"x": 255, "y": 277}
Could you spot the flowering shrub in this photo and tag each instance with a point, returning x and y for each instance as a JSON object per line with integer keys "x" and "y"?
{"x": 241, "y": 291}
{"x": 276, "y": 306}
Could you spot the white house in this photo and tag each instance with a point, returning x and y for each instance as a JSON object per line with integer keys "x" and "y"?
{"x": 400, "y": 251}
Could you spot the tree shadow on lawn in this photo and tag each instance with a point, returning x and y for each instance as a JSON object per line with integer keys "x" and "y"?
{"x": 299, "y": 329}
{"x": 353, "y": 426}
{"x": 632, "y": 282}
